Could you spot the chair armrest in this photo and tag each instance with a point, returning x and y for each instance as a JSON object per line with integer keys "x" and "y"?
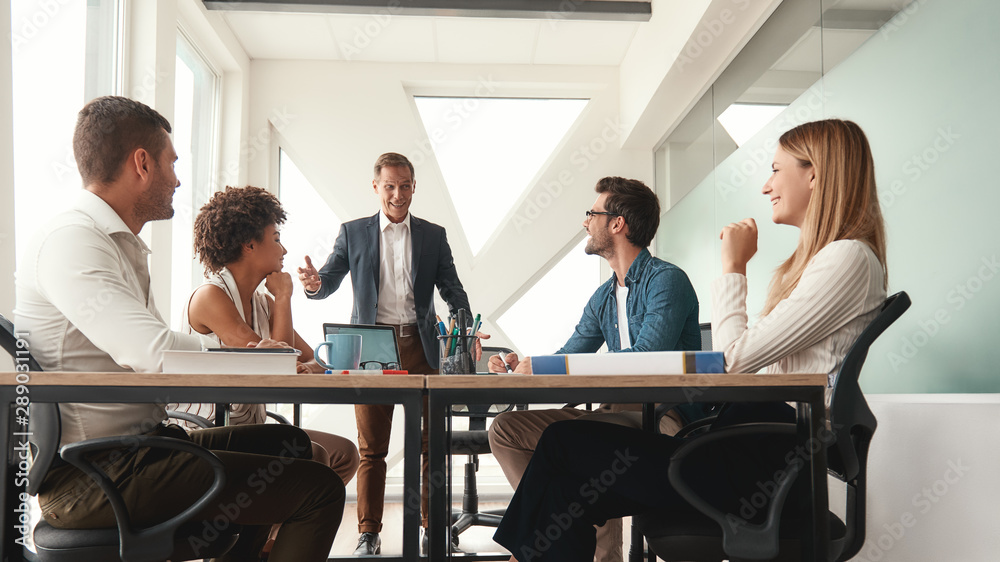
{"x": 192, "y": 418}
{"x": 278, "y": 418}
{"x": 740, "y": 539}
{"x": 695, "y": 426}
{"x": 156, "y": 542}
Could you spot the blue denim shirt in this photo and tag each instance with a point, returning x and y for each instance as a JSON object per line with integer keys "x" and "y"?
{"x": 662, "y": 310}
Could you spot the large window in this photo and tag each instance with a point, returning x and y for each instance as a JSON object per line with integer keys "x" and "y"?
{"x": 538, "y": 324}
{"x": 469, "y": 136}
{"x": 64, "y": 54}
{"x": 196, "y": 95}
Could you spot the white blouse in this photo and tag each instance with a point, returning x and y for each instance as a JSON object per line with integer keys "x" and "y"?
{"x": 811, "y": 331}
{"x": 239, "y": 414}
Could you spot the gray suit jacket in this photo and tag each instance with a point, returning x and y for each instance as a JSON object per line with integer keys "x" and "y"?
{"x": 356, "y": 251}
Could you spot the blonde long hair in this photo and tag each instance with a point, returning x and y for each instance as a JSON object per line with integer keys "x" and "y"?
{"x": 844, "y": 201}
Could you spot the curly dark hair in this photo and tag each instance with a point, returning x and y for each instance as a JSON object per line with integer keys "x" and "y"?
{"x": 230, "y": 219}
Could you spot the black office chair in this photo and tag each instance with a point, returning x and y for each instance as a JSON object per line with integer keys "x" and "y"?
{"x": 176, "y": 539}
{"x": 705, "y": 533}
{"x": 473, "y": 443}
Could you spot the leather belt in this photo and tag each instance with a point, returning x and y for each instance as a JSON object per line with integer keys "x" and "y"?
{"x": 405, "y": 330}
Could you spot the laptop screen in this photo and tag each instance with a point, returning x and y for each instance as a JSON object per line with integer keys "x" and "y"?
{"x": 378, "y": 343}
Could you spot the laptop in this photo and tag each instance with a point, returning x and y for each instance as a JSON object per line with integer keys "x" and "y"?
{"x": 378, "y": 343}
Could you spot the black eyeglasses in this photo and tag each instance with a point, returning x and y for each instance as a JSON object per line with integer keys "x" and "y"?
{"x": 590, "y": 214}
{"x": 379, "y": 366}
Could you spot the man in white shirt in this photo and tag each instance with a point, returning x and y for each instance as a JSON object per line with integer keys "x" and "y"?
{"x": 83, "y": 299}
{"x": 395, "y": 260}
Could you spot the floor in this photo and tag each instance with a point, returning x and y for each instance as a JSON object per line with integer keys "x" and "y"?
{"x": 475, "y": 539}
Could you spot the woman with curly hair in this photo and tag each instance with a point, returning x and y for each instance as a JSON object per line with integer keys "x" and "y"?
{"x": 237, "y": 240}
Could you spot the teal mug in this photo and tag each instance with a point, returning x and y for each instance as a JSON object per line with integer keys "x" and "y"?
{"x": 344, "y": 352}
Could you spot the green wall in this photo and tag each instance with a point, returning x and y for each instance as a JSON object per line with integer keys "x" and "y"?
{"x": 924, "y": 88}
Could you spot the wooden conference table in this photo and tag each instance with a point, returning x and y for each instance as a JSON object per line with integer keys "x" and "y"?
{"x": 441, "y": 392}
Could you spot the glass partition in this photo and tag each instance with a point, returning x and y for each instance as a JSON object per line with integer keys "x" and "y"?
{"x": 914, "y": 76}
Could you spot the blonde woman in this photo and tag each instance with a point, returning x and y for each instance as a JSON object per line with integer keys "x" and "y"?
{"x": 820, "y": 299}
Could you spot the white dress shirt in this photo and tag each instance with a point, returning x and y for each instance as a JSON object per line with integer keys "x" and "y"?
{"x": 839, "y": 294}
{"x": 395, "y": 280}
{"x": 83, "y": 303}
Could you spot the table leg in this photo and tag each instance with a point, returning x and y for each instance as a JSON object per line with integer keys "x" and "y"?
{"x": 411, "y": 476}
{"x": 811, "y": 421}
{"x": 440, "y": 518}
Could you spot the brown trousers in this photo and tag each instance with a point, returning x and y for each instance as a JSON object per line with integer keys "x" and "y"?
{"x": 514, "y": 435}
{"x": 374, "y": 426}
{"x": 269, "y": 480}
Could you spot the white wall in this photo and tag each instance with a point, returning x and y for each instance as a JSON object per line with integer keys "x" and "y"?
{"x": 932, "y": 489}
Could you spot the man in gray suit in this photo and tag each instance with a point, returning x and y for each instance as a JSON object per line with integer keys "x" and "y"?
{"x": 395, "y": 261}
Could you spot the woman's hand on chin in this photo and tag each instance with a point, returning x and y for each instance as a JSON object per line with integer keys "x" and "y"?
{"x": 739, "y": 244}
{"x": 279, "y": 284}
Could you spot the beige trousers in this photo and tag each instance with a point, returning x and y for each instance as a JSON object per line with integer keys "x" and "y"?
{"x": 514, "y": 435}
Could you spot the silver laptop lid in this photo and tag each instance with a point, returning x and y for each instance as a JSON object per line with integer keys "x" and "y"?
{"x": 378, "y": 343}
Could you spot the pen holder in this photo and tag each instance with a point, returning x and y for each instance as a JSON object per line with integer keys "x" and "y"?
{"x": 457, "y": 354}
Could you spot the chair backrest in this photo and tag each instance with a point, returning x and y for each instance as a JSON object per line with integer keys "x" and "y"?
{"x": 854, "y": 424}
{"x": 46, "y": 432}
{"x": 706, "y": 336}
{"x": 850, "y": 417}
{"x": 10, "y": 342}
{"x": 478, "y": 413}
{"x": 483, "y": 365}
{"x": 45, "y": 425}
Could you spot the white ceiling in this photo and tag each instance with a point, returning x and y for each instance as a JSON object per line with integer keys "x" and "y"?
{"x": 388, "y": 37}
{"x": 395, "y": 38}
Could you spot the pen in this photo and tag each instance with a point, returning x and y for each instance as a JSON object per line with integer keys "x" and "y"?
{"x": 503, "y": 362}
{"x": 475, "y": 325}
{"x": 454, "y": 340}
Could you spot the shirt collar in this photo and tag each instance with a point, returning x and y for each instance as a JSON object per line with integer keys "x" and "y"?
{"x": 384, "y": 222}
{"x": 635, "y": 270}
{"x": 105, "y": 218}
